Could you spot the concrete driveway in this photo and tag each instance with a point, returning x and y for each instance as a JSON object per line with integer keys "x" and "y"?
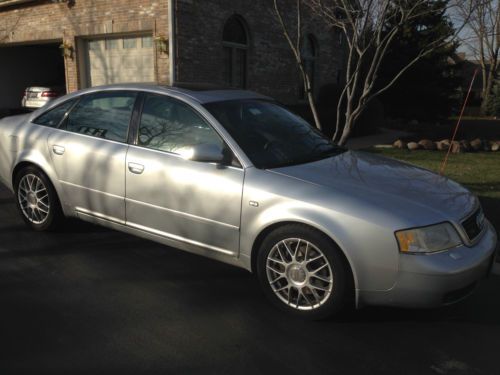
{"x": 91, "y": 301}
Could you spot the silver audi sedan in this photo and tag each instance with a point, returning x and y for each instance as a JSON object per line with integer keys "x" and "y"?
{"x": 235, "y": 176}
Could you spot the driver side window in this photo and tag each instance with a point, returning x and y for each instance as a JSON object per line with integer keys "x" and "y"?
{"x": 171, "y": 125}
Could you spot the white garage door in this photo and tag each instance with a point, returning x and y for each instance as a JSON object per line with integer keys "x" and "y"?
{"x": 120, "y": 60}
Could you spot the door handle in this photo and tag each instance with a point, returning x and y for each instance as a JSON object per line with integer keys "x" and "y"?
{"x": 58, "y": 150}
{"x": 135, "y": 168}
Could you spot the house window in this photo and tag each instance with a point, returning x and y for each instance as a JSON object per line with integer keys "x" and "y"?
{"x": 235, "y": 44}
{"x": 94, "y": 45}
{"x": 129, "y": 43}
{"x": 309, "y": 56}
{"x": 147, "y": 42}
{"x": 340, "y": 37}
{"x": 111, "y": 43}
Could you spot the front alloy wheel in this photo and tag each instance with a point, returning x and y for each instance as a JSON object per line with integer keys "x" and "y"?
{"x": 303, "y": 272}
{"x": 299, "y": 274}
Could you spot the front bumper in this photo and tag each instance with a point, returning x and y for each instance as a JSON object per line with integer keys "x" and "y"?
{"x": 438, "y": 279}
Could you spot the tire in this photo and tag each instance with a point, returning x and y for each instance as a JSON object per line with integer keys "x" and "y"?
{"x": 37, "y": 201}
{"x": 311, "y": 279}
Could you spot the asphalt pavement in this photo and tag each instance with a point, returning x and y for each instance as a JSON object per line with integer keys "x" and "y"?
{"x": 92, "y": 301}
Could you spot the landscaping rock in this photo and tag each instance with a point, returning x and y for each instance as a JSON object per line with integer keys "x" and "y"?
{"x": 443, "y": 145}
{"x": 476, "y": 144}
{"x": 427, "y": 144}
{"x": 495, "y": 146}
{"x": 412, "y": 146}
{"x": 399, "y": 144}
{"x": 457, "y": 148}
{"x": 466, "y": 145}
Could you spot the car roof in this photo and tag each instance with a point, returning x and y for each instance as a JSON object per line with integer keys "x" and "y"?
{"x": 203, "y": 93}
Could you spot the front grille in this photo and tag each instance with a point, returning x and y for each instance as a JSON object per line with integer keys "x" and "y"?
{"x": 473, "y": 225}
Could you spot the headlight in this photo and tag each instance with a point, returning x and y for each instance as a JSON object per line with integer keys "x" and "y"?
{"x": 428, "y": 239}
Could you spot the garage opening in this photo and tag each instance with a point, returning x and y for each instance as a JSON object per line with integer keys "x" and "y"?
{"x": 119, "y": 60}
{"x": 23, "y": 66}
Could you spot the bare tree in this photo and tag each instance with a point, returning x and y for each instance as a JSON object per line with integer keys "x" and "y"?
{"x": 482, "y": 37}
{"x": 370, "y": 28}
{"x": 296, "y": 47}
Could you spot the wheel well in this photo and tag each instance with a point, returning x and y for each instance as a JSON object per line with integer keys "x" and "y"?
{"x": 20, "y": 167}
{"x": 262, "y": 235}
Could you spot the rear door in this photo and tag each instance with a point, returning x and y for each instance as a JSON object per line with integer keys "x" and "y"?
{"x": 89, "y": 151}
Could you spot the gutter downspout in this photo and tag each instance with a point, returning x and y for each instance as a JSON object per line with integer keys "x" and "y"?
{"x": 171, "y": 41}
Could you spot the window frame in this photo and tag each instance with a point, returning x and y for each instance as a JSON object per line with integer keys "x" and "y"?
{"x": 234, "y": 47}
{"x": 136, "y": 123}
{"x": 77, "y": 100}
{"x": 62, "y": 124}
{"x": 133, "y": 127}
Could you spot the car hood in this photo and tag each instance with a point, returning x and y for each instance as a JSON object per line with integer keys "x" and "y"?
{"x": 403, "y": 189}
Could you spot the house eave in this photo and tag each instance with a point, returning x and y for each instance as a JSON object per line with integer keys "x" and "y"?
{"x": 11, "y": 3}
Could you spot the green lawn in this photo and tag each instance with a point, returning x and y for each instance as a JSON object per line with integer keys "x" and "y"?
{"x": 480, "y": 172}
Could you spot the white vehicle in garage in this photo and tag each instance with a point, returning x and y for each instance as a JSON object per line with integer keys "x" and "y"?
{"x": 37, "y": 96}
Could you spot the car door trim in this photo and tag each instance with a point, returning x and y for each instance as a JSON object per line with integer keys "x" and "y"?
{"x": 185, "y": 214}
{"x": 180, "y": 239}
{"x": 92, "y": 190}
{"x": 135, "y": 119}
{"x": 80, "y": 210}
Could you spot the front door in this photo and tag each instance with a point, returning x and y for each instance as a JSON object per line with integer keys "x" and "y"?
{"x": 89, "y": 152}
{"x": 193, "y": 202}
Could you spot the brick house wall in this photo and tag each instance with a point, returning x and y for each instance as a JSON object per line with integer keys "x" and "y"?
{"x": 271, "y": 66}
{"x": 199, "y": 24}
{"x": 43, "y": 21}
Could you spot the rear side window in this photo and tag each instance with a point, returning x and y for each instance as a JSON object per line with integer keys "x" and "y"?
{"x": 104, "y": 115}
{"x": 54, "y": 117}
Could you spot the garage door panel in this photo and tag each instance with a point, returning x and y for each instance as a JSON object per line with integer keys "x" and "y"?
{"x": 119, "y": 60}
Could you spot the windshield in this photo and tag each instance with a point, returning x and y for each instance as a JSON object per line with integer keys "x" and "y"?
{"x": 270, "y": 135}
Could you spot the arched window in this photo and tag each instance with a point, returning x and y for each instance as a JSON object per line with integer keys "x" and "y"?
{"x": 235, "y": 42}
{"x": 309, "y": 56}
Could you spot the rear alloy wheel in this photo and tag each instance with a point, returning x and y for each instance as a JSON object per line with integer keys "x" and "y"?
{"x": 303, "y": 272}
{"x": 33, "y": 199}
{"x": 37, "y": 200}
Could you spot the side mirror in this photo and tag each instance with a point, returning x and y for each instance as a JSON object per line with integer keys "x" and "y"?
{"x": 207, "y": 153}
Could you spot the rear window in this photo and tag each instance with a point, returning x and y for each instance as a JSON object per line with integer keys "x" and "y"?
{"x": 54, "y": 117}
